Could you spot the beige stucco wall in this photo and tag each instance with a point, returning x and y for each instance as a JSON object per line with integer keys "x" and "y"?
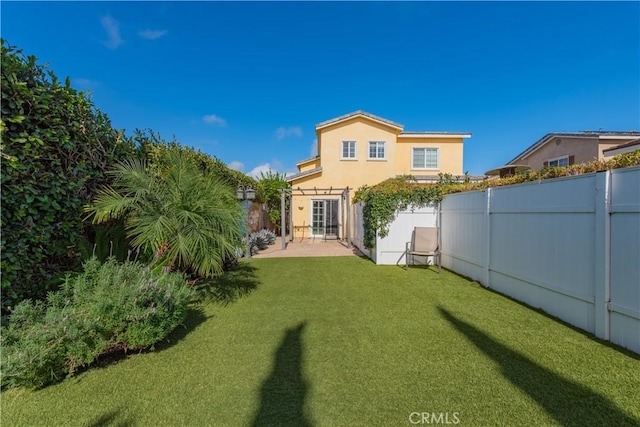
{"x": 450, "y": 155}
{"x": 339, "y": 173}
{"x": 584, "y": 150}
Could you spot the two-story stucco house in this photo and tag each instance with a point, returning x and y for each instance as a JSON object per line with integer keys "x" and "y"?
{"x": 567, "y": 148}
{"x": 357, "y": 149}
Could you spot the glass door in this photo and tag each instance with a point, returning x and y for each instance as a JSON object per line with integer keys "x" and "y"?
{"x": 324, "y": 218}
{"x": 317, "y": 218}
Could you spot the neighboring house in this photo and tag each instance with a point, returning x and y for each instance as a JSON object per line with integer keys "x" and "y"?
{"x": 357, "y": 149}
{"x": 567, "y": 148}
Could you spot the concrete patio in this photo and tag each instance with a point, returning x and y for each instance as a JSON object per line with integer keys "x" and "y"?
{"x": 308, "y": 248}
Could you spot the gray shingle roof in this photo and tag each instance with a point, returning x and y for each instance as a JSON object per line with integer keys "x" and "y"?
{"x": 355, "y": 114}
{"x": 303, "y": 174}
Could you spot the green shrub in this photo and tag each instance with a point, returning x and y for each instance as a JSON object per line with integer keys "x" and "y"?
{"x": 108, "y": 307}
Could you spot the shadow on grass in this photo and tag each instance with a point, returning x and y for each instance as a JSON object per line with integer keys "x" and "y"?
{"x": 283, "y": 393}
{"x": 111, "y": 419}
{"x": 538, "y": 310}
{"x": 234, "y": 284}
{"x": 570, "y": 403}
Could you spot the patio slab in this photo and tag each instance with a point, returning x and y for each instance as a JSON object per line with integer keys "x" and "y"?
{"x": 308, "y": 248}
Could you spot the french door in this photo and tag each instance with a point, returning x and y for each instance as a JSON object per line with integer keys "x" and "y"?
{"x": 324, "y": 218}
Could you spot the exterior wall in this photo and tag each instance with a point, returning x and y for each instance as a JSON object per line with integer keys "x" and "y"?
{"x": 583, "y": 150}
{"x": 450, "y": 155}
{"x": 341, "y": 173}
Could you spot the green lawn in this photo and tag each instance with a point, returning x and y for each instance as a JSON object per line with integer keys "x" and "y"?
{"x": 342, "y": 342}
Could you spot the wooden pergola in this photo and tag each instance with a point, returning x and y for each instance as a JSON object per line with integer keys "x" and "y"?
{"x": 331, "y": 191}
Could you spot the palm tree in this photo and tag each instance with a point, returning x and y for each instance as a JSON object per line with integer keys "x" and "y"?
{"x": 189, "y": 219}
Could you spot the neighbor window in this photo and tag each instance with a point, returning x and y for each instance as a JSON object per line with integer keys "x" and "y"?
{"x": 376, "y": 150}
{"x": 424, "y": 158}
{"x": 560, "y": 161}
{"x": 348, "y": 149}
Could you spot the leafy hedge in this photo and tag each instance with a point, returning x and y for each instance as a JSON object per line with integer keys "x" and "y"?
{"x": 382, "y": 201}
{"x": 155, "y": 150}
{"x": 109, "y": 307}
{"x": 56, "y": 147}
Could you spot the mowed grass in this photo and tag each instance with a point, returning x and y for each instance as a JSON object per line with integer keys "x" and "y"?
{"x": 342, "y": 342}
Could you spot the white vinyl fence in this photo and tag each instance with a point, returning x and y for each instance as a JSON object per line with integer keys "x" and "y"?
{"x": 389, "y": 250}
{"x": 569, "y": 246}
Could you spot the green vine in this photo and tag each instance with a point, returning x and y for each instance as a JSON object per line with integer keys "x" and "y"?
{"x": 383, "y": 200}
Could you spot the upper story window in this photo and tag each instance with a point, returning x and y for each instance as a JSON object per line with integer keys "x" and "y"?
{"x": 348, "y": 150}
{"x": 560, "y": 161}
{"x": 377, "y": 150}
{"x": 425, "y": 158}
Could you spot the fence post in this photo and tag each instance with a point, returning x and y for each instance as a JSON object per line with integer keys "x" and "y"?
{"x": 487, "y": 261}
{"x": 602, "y": 280}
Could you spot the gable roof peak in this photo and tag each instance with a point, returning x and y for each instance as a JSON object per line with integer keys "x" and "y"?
{"x": 360, "y": 113}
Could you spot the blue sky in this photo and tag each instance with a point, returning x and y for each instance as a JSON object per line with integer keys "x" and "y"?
{"x": 248, "y": 82}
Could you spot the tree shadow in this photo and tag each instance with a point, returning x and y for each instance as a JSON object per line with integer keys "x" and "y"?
{"x": 111, "y": 419}
{"x": 283, "y": 393}
{"x": 570, "y": 403}
{"x": 234, "y": 284}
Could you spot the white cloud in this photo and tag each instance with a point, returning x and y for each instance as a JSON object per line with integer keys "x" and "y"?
{"x": 314, "y": 148}
{"x": 283, "y": 132}
{"x": 112, "y": 27}
{"x": 236, "y": 166}
{"x": 255, "y": 172}
{"x": 151, "y": 34}
{"x": 214, "y": 120}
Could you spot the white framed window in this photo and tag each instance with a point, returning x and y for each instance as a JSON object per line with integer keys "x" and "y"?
{"x": 348, "y": 150}
{"x": 559, "y": 161}
{"x": 377, "y": 150}
{"x": 425, "y": 158}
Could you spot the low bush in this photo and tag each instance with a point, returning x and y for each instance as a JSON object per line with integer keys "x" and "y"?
{"x": 107, "y": 308}
{"x": 260, "y": 240}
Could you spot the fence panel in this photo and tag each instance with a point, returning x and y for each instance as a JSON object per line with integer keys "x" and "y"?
{"x": 464, "y": 233}
{"x": 542, "y": 247}
{"x": 625, "y": 258}
{"x": 358, "y": 229}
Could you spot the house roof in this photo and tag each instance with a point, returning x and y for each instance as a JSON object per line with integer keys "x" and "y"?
{"x": 358, "y": 113}
{"x": 626, "y": 145}
{"x": 292, "y": 178}
{"x": 435, "y": 134}
{"x": 586, "y": 134}
{"x": 309, "y": 160}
